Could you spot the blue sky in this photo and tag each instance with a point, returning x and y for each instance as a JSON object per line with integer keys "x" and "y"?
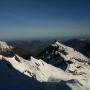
{"x": 44, "y": 18}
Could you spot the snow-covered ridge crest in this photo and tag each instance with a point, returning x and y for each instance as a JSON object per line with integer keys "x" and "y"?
{"x": 37, "y": 69}
{"x": 77, "y": 62}
{"x": 77, "y": 66}
{"x": 66, "y": 58}
{"x": 70, "y": 51}
{"x": 40, "y": 70}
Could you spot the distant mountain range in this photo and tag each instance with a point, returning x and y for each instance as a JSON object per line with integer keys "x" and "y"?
{"x": 33, "y": 48}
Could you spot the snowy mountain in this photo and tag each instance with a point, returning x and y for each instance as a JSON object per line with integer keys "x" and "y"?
{"x": 37, "y": 72}
{"x": 36, "y": 69}
{"x": 5, "y": 49}
{"x": 4, "y": 46}
{"x": 61, "y": 68}
{"x": 65, "y": 58}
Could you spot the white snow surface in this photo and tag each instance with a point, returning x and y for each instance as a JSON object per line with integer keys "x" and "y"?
{"x": 44, "y": 72}
{"x": 79, "y": 65}
{"x": 71, "y": 52}
{"x": 38, "y": 69}
{"x": 79, "y": 70}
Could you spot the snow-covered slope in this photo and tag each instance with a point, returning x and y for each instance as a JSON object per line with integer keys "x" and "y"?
{"x": 15, "y": 67}
{"x": 12, "y": 79}
{"x": 72, "y": 70}
{"x": 66, "y": 58}
{"x": 37, "y": 69}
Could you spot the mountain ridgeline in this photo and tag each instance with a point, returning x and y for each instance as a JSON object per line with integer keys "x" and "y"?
{"x": 55, "y": 67}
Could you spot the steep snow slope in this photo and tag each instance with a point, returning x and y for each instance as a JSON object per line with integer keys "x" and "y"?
{"x": 37, "y": 69}
{"x": 73, "y": 69}
{"x": 67, "y": 59}
{"x": 12, "y": 79}
{"x": 14, "y": 68}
